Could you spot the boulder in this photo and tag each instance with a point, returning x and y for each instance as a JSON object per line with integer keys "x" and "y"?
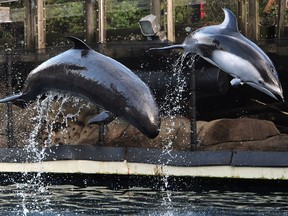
{"x": 235, "y": 130}
{"x": 276, "y": 143}
{"x": 174, "y": 132}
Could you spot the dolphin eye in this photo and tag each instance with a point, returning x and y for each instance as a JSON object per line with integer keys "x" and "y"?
{"x": 273, "y": 70}
{"x": 261, "y": 82}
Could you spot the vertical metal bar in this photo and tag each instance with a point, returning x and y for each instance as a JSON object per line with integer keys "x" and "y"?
{"x": 193, "y": 112}
{"x": 101, "y": 140}
{"x": 10, "y": 123}
{"x": 89, "y": 14}
{"x": 101, "y": 134}
{"x": 101, "y": 21}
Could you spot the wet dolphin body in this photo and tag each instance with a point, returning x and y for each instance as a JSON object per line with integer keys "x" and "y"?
{"x": 102, "y": 80}
{"x": 226, "y": 48}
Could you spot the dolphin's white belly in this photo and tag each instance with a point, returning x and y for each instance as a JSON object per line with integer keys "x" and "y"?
{"x": 235, "y": 66}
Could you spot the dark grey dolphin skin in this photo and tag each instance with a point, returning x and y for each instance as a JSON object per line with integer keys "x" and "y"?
{"x": 226, "y": 48}
{"x": 100, "y": 79}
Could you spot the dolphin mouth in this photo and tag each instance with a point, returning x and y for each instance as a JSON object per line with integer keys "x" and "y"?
{"x": 276, "y": 94}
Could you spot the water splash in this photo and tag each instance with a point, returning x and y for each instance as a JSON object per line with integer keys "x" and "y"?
{"x": 48, "y": 111}
{"x": 171, "y": 108}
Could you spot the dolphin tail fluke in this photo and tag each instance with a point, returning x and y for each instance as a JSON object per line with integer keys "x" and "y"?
{"x": 11, "y": 98}
{"x": 176, "y": 46}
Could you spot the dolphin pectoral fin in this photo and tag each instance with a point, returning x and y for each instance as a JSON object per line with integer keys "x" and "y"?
{"x": 102, "y": 118}
{"x": 11, "y": 98}
{"x": 235, "y": 82}
{"x": 176, "y": 46}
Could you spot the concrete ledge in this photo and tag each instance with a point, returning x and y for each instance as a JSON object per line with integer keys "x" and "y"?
{"x": 134, "y": 169}
{"x": 69, "y": 159}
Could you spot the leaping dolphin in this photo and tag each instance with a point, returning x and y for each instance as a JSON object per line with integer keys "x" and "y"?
{"x": 225, "y": 47}
{"x": 102, "y": 80}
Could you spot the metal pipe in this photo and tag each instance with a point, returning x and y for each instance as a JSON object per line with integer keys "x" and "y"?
{"x": 101, "y": 21}
{"x": 101, "y": 135}
{"x": 10, "y": 122}
{"x": 192, "y": 109}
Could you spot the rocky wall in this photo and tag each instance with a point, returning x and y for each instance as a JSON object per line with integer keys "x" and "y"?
{"x": 220, "y": 134}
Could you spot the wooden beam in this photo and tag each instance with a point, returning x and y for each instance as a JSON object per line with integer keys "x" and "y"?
{"x": 156, "y": 9}
{"x": 90, "y": 24}
{"x": 281, "y": 18}
{"x": 41, "y": 24}
{"x": 242, "y": 10}
{"x": 252, "y": 23}
{"x": 29, "y": 24}
{"x": 170, "y": 21}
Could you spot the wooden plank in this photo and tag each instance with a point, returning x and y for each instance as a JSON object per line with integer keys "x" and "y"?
{"x": 41, "y": 23}
{"x": 89, "y": 24}
{"x": 170, "y": 21}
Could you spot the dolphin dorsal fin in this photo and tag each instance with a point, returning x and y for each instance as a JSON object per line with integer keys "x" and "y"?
{"x": 230, "y": 20}
{"x": 78, "y": 44}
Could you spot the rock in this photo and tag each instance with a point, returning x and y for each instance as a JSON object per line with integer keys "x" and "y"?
{"x": 276, "y": 143}
{"x": 3, "y": 141}
{"x": 235, "y": 130}
{"x": 174, "y": 133}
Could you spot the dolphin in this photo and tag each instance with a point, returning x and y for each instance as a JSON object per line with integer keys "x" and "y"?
{"x": 83, "y": 72}
{"x": 226, "y": 48}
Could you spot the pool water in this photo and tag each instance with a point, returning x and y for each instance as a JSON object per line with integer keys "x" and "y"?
{"x": 39, "y": 198}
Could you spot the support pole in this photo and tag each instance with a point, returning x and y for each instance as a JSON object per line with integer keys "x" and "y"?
{"x": 29, "y": 24}
{"x": 170, "y": 21}
{"x": 90, "y": 24}
{"x": 156, "y": 9}
{"x": 41, "y": 24}
{"x": 101, "y": 21}
{"x": 193, "y": 111}
{"x": 101, "y": 134}
{"x": 10, "y": 134}
{"x": 281, "y": 18}
{"x": 243, "y": 10}
{"x": 252, "y": 20}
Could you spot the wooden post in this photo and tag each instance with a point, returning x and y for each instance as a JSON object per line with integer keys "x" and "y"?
{"x": 252, "y": 24}
{"x": 101, "y": 21}
{"x": 29, "y": 24}
{"x": 170, "y": 21}
{"x": 249, "y": 19}
{"x": 243, "y": 21}
{"x": 41, "y": 24}
{"x": 156, "y": 9}
{"x": 90, "y": 24}
{"x": 281, "y": 18}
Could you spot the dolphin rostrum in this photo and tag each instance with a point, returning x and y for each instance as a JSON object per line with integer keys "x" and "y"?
{"x": 226, "y": 48}
{"x": 83, "y": 72}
